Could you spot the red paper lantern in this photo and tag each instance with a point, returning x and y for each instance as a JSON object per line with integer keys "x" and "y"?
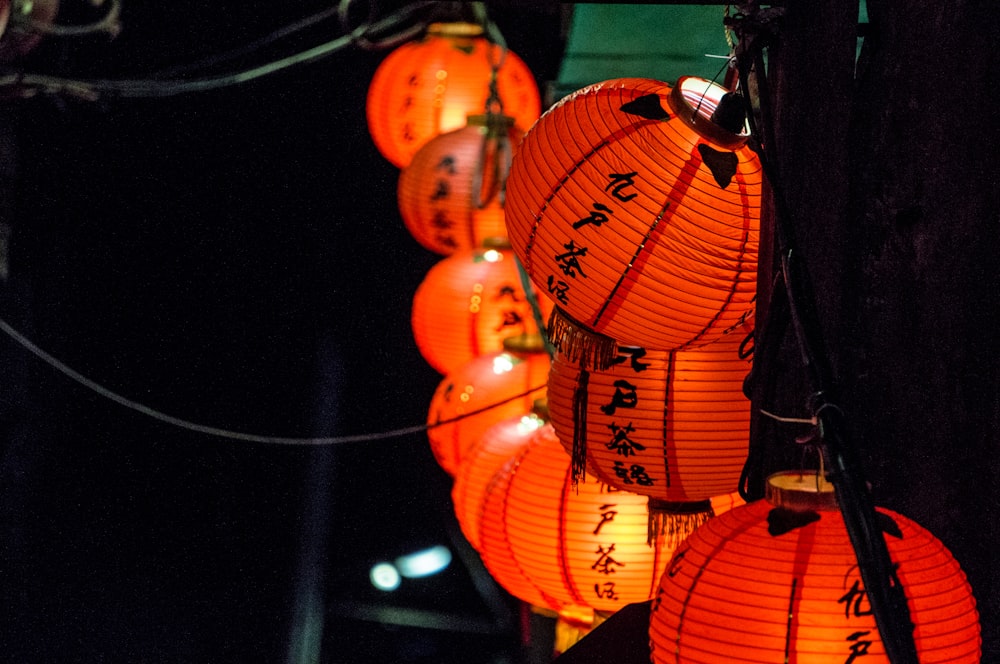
{"x": 482, "y": 392}
{"x": 22, "y": 29}
{"x": 482, "y": 461}
{"x": 638, "y": 215}
{"x": 671, "y": 425}
{"x": 777, "y": 581}
{"x": 584, "y": 546}
{"x": 468, "y": 303}
{"x": 428, "y": 87}
{"x": 451, "y": 196}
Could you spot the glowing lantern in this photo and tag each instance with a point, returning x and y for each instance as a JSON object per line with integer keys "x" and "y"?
{"x": 670, "y": 425}
{"x": 638, "y": 215}
{"x": 451, "y": 196}
{"x": 468, "y": 303}
{"x": 584, "y": 546}
{"x": 481, "y": 462}
{"x": 428, "y": 87}
{"x": 482, "y": 392}
{"x": 28, "y": 23}
{"x": 777, "y": 581}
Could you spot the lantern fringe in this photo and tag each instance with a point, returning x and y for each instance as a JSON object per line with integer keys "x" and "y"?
{"x": 675, "y": 520}
{"x": 580, "y": 344}
{"x": 578, "y": 454}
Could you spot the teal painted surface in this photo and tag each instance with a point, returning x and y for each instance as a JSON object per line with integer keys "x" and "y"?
{"x": 663, "y": 42}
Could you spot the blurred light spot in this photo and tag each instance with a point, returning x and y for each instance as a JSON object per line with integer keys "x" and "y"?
{"x": 503, "y": 363}
{"x": 424, "y": 563}
{"x": 384, "y": 577}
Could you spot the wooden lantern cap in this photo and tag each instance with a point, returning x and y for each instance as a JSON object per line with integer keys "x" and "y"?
{"x": 524, "y": 343}
{"x": 455, "y": 29}
{"x": 801, "y": 491}
{"x": 496, "y": 242}
{"x": 699, "y": 117}
{"x": 540, "y": 407}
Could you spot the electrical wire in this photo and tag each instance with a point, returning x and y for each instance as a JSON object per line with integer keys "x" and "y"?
{"x": 148, "y": 87}
{"x": 96, "y": 387}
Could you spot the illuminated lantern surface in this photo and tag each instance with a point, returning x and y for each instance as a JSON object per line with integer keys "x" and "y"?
{"x": 451, "y": 195}
{"x": 777, "y": 581}
{"x": 500, "y": 384}
{"x": 23, "y": 26}
{"x": 467, "y": 304}
{"x": 671, "y": 425}
{"x": 584, "y": 546}
{"x": 483, "y": 459}
{"x": 637, "y": 214}
{"x": 430, "y": 86}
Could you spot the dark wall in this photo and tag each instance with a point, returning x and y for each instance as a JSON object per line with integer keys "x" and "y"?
{"x": 233, "y": 258}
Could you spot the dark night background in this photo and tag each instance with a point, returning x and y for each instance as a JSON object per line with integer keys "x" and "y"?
{"x": 234, "y": 258}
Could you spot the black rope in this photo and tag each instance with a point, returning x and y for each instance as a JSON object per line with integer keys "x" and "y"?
{"x": 885, "y": 593}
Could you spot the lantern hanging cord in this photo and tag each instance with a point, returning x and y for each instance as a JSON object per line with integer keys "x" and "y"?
{"x": 151, "y": 87}
{"x": 108, "y": 23}
{"x": 755, "y": 29}
{"x": 94, "y": 386}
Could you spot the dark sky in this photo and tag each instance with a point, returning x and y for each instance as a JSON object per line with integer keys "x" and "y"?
{"x": 234, "y": 258}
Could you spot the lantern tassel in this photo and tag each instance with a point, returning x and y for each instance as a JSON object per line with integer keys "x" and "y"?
{"x": 579, "y": 451}
{"x": 578, "y": 343}
{"x": 676, "y": 520}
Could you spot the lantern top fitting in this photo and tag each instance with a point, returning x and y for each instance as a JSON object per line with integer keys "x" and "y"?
{"x": 695, "y": 101}
{"x": 524, "y": 343}
{"x": 801, "y": 491}
{"x": 455, "y": 29}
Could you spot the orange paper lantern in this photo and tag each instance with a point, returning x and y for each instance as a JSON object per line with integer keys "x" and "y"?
{"x": 778, "y": 581}
{"x": 482, "y": 461}
{"x": 584, "y": 546}
{"x": 467, "y": 304}
{"x": 482, "y": 392}
{"x": 638, "y": 214}
{"x": 428, "y": 87}
{"x": 671, "y": 425}
{"x": 451, "y": 196}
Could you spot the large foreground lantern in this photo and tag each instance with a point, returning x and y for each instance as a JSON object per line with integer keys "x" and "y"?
{"x": 430, "y": 86}
{"x": 778, "y": 581}
{"x": 482, "y": 392}
{"x": 451, "y": 195}
{"x": 636, "y": 208}
{"x": 469, "y": 303}
{"x": 670, "y": 425}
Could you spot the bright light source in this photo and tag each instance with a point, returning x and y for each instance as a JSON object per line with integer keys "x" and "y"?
{"x": 384, "y": 577}
{"x": 424, "y": 563}
{"x": 503, "y": 363}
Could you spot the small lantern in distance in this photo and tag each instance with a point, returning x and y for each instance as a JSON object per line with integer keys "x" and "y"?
{"x": 451, "y": 195}
{"x": 500, "y": 384}
{"x": 468, "y": 303}
{"x": 430, "y": 86}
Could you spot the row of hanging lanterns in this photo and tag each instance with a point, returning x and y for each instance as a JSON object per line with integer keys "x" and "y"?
{"x": 634, "y": 209}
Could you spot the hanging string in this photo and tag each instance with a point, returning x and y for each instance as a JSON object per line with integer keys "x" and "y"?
{"x": 755, "y": 28}
{"x": 90, "y": 89}
{"x": 94, "y": 386}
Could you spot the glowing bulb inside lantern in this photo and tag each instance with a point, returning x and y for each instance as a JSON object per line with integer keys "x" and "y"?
{"x": 492, "y": 255}
{"x": 503, "y": 363}
{"x": 529, "y": 423}
{"x": 384, "y": 577}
